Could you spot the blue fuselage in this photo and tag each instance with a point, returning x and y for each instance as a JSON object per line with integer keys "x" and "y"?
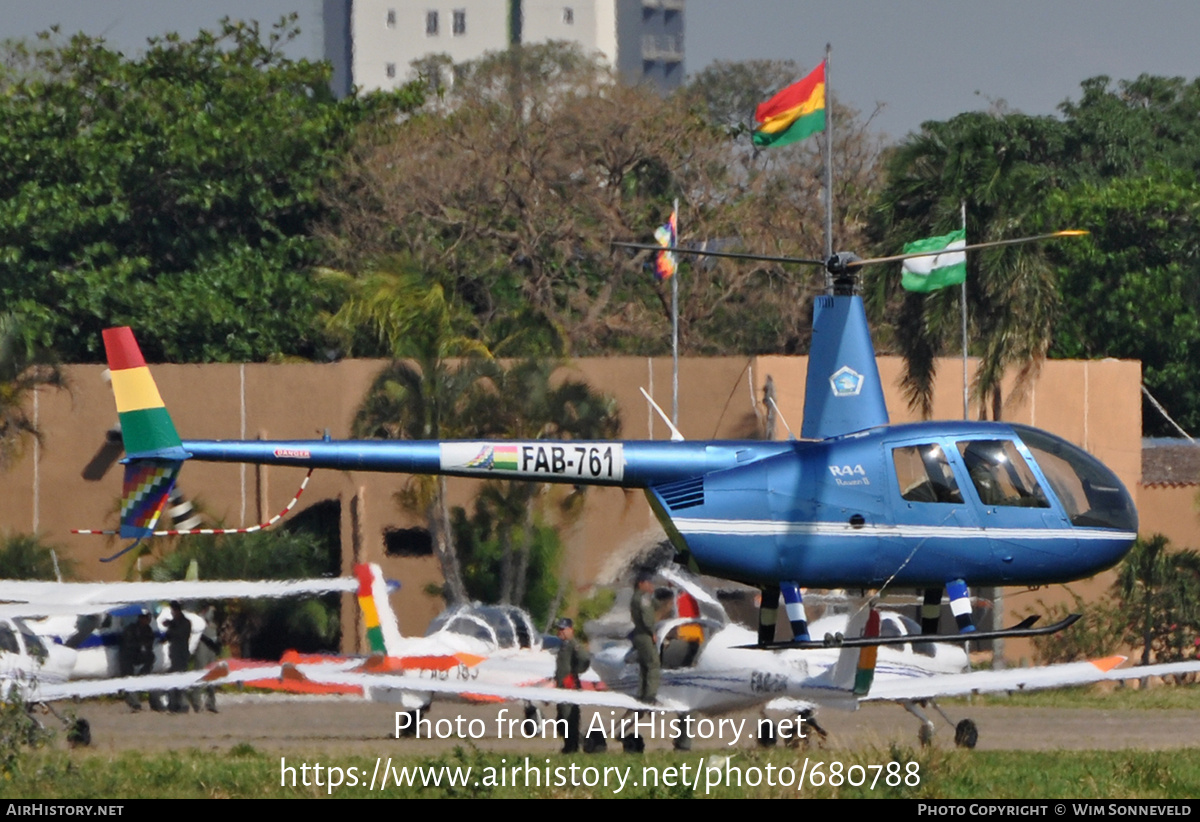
{"x": 909, "y": 505}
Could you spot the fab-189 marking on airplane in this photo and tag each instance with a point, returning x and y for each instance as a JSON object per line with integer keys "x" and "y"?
{"x": 855, "y": 503}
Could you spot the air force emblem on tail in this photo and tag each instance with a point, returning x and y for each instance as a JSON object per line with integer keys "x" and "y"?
{"x": 846, "y": 382}
{"x": 593, "y": 460}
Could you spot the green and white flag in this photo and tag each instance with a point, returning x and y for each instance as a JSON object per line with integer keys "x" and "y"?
{"x": 929, "y": 273}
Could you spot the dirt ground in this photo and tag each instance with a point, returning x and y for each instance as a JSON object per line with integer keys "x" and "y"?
{"x": 294, "y": 725}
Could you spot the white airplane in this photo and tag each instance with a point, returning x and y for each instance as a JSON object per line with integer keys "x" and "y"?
{"x": 55, "y": 631}
{"x": 711, "y": 667}
{"x": 467, "y": 653}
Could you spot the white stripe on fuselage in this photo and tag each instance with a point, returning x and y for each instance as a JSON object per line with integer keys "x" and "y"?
{"x": 761, "y": 527}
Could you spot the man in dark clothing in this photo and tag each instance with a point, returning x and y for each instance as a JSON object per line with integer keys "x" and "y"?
{"x": 179, "y": 633}
{"x": 641, "y": 611}
{"x": 136, "y": 658}
{"x": 572, "y": 660}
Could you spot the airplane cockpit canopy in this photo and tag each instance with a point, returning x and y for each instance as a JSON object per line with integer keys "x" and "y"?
{"x": 894, "y": 624}
{"x": 1091, "y": 493}
{"x": 500, "y": 626}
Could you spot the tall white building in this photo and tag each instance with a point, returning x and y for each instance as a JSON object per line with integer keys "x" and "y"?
{"x": 372, "y": 43}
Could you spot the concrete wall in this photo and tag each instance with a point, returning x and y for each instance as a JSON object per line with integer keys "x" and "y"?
{"x": 73, "y": 479}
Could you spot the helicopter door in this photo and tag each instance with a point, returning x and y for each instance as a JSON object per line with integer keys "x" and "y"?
{"x": 929, "y": 507}
{"x": 1013, "y": 501}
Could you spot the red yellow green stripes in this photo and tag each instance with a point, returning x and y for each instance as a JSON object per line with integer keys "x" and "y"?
{"x": 794, "y": 113}
{"x": 146, "y": 426}
{"x": 366, "y": 603}
{"x": 865, "y": 675}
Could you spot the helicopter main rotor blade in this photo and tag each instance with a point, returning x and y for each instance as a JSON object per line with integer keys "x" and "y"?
{"x": 731, "y": 254}
{"x": 994, "y": 243}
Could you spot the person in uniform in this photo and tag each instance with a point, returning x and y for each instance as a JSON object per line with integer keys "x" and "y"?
{"x": 570, "y": 663}
{"x": 641, "y": 611}
{"x": 136, "y": 658}
{"x": 179, "y": 634}
{"x": 208, "y": 650}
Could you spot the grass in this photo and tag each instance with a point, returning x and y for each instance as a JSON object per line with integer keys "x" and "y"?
{"x": 248, "y": 773}
{"x": 1104, "y": 697}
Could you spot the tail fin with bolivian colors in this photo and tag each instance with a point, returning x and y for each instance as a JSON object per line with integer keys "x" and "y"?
{"x": 154, "y": 452}
{"x": 383, "y": 631}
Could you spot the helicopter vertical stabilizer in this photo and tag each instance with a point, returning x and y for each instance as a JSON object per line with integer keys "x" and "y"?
{"x": 843, "y": 393}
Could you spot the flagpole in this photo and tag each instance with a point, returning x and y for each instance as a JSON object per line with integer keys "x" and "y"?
{"x": 963, "y": 301}
{"x": 675, "y": 335}
{"x": 828, "y": 171}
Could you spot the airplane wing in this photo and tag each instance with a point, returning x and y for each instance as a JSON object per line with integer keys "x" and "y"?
{"x": 472, "y": 689}
{"x": 1021, "y": 679}
{"x": 36, "y": 599}
{"x": 219, "y": 674}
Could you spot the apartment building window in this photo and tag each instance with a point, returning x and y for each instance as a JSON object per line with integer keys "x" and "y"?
{"x": 391, "y": 18}
{"x": 460, "y": 22}
{"x": 431, "y": 24}
{"x": 568, "y": 16}
{"x": 390, "y": 70}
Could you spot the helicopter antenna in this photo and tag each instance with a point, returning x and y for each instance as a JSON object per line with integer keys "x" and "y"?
{"x": 675, "y": 435}
{"x": 771, "y": 400}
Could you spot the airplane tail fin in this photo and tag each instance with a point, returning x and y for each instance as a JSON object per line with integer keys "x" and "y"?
{"x": 855, "y": 667}
{"x": 383, "y": 630}
{"x": 154, "y": 452}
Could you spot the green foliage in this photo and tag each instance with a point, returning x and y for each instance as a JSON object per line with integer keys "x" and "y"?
{"x": 24, "y": 369}
{"x": 1093, "y": 637}
{"x": 1132, "y": 288}
{"x": 1001, "y": 168}
{"x": 25, "y": 556}
{"x": 1154, "y": 605}
{"x": 174, "y": 192}
{"x": 484, "y": 542}
{"x": 265, "y": 628}
{"x": 1160, "y": 593}
{"x": 20, "y": 732}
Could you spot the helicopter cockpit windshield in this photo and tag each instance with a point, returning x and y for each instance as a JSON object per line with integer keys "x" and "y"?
{"x": 1091, "y": 493}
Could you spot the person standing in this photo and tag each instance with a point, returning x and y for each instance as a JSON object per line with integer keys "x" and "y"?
{"x": 641, "y": 611}
{"x": 136, "y": 658}
{"x": 208, "y": 650}
{"x": 570, "y": 663}
{"x": 179, "y": 634}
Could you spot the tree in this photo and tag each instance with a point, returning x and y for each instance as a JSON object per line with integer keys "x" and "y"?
{"x": 536, "y": 160}
{"x": 1160, "y": 591}
{"x": 1002, "y": 166}
{"x": 423, "y": 397}
{"x": 524, "y": 401}
{"x": 1132, "y": 288}
{"x": 24, "y": 556}
{"x": 23, "y": 370}
{"x": 175, "y": 191}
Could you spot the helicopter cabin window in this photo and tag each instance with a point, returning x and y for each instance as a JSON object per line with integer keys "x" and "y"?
{"x": 924, "y": 474}
{"x": 1091, "y": 494}
{"x": 1000, "y": 474}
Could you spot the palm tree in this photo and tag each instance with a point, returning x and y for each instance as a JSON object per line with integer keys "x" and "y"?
{"x": 22, "y": 372}
{"x": 523, "y": 401}
{"x": 1161, "y": 589}
{"x": 421, "y": 394}
{"x": 1001, "y": 168}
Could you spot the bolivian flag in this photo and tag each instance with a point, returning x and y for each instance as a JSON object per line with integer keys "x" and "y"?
{"x": 794, "y": 113}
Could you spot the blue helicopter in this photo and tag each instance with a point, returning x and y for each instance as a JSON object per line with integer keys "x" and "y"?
{"x": 854, "y": 503}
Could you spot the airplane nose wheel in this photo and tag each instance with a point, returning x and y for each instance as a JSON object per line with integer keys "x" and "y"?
{"x": 966, "y": 734}
{"x": 925, "y": 734}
